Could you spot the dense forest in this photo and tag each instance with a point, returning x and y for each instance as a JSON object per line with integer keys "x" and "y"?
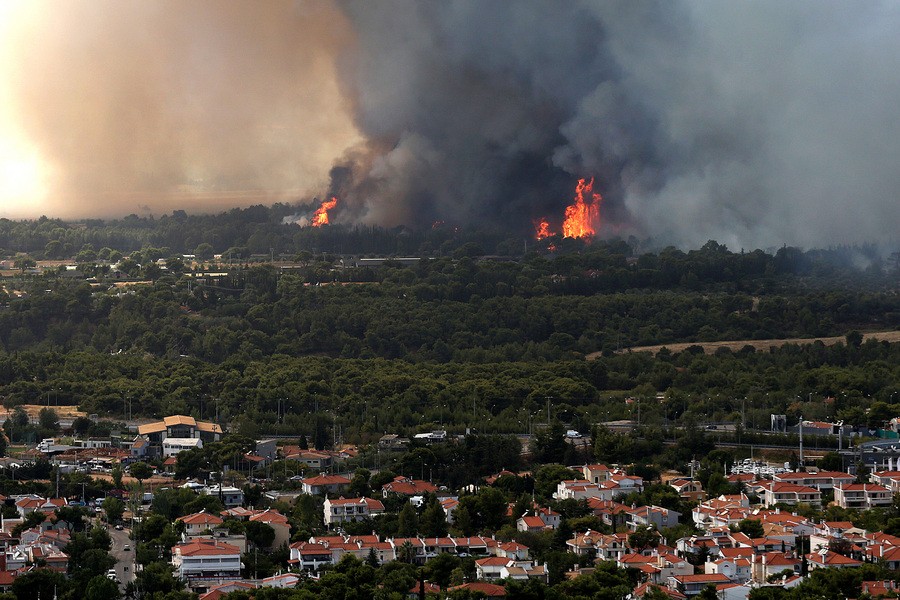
{"x": 454, "y": 339}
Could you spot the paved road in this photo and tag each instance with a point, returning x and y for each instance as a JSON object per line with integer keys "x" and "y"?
{"x": 124, "y": 558}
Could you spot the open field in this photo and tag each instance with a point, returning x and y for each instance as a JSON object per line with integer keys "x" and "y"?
{"x": 735, "y": 345}
{"x": 65, "y": 413}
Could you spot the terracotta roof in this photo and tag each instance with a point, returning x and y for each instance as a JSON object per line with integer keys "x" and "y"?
{"x": 703, "y": 578}
{"x": 369, "y": 502}
{"x": 180, "y": 420}
{"x": 201, "y": 518}
{"x": 206, "y": 548}
{"x": 408, "y": 487}
{"x": 532, "y": 522}
{"x": 307, "y": 548}
{"x": 490, "y": 590}
{"x": 831, "y": 558}
{"x": 151, "y": 428}
{"x": 269, "y": 516}
{"x": 209, "y": 427}
{"x": 326, "y": 480}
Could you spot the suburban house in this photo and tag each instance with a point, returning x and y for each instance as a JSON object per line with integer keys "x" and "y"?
{"x": 343, "y": 510}
{"x": 206, "y": 563}
{"x": 656, "y": 516}
{"x": 200, "y": 522}
{"x": 689, "y": 489}
{"x": 325, "y": 484}
{"x": 277, "y": 522}
{"x": 826, "y": 559}
{"x": 309, "y": 556}
{"x": 821, "y": 480}
{"x": 407, "y": 486}
{"x": 862, "y": 495}
{"x": 691, "y": 585}
{"x": 529, "y": 522}
{"x": 229, "y": 495}
{"x": 790, "y": 494}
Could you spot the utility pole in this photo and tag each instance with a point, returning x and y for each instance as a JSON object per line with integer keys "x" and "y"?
{"x": 801, "y": 442}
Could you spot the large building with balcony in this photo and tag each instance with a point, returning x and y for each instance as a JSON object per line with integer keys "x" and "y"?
{"x": 791, "y": 494}
{"x": 862, "y": 495}
{"x": 204, "y": 563}
{"x": 178, "y": 426}
{"x": 343, "y": 510}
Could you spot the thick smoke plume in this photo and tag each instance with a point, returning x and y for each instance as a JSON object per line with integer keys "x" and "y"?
{"x": 755, "y": 124}
{"x": 168, "y": 103}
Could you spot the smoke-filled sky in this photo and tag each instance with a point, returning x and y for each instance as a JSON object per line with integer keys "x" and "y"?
{"x": 752, "y": 123}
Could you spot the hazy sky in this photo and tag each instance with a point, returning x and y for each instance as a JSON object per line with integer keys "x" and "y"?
{"x": 753, "y": 123}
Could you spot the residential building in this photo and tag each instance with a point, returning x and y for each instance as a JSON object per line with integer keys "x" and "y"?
{"x": 229, "y": 495}
{"x": 821, "y": 480}
{"x": 174, "y": 446}
{"x": 309, "y": 556}
{"x": 200, "y": 522}
{"x": 325, "y": 484}
{"x": 278, "y": 522}
{"x": 407, "y": 486}
{"x": 862, "y": 495}
{"x": 178, "y": 426}
{"x": 691, "y": 585}
{"x": 343, "y": 509}
{"x": 581, "y": 489}
{"x": 790, "y": 494}
{"x": 206, "y": 563}
{"x": 529, "y": 522}
{"x": 826, "y": 559}
{"x": 657, "y": 516}
{"x": 689, "y": 489}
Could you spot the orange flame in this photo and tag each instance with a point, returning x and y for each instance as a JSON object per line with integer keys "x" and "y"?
{"x": 581, "y": 217}
{"x": 542, "y": 229}
{"x": 320, "y": 217}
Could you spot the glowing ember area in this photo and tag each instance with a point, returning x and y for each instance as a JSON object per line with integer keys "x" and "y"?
{"x": 582, "y": 217}
{"x": 542, "y": 229}
{"x": 320, "y": 217}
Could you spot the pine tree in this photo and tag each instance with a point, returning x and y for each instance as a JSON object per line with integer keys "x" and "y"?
{"x": 433, "y": 522}
{"x": 372, "y": 558}
{"x": 408, "y": 521}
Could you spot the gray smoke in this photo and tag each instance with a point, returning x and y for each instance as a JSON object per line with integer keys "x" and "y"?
{"x": 755, "y": 124}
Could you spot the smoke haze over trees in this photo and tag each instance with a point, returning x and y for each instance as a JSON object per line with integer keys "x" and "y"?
{"x": 753, "y": 124}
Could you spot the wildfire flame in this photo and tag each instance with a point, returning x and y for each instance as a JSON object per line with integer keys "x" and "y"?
{"x": 542, "y": 229}
{"x": 582, "y": 217}
{"x": 320, "y": 217}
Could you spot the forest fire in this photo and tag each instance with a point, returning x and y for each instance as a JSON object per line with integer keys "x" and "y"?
{"x": 542, "y": 229}
{"x": 582, "y": 217}
{"x": 320, "y": 217}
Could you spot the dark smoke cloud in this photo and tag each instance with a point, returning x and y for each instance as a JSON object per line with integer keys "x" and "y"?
{"x": 755, "y": 124}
